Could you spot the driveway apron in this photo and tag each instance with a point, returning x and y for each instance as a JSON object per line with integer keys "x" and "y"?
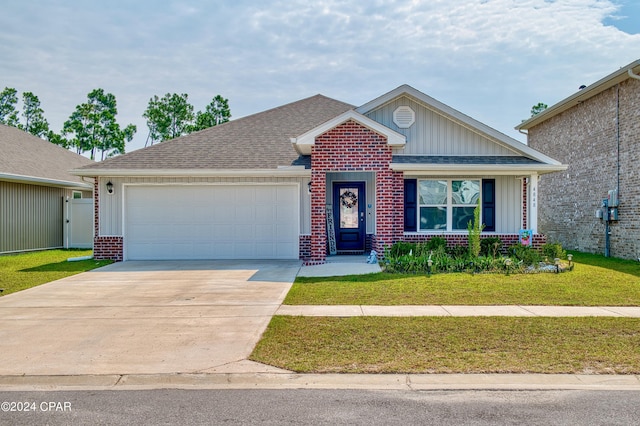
{"x": 144, "y": 318}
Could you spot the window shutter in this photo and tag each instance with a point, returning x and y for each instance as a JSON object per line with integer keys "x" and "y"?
{"x": 410, "y": 205}
{"x": 489, "y": 204}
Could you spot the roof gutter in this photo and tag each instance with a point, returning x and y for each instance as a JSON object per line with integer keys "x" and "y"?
{"x": 475, "y": 170}
{"x": 285, "y": 171}
{"x": 44, "y": 181}
{"x": 632, "y": 75}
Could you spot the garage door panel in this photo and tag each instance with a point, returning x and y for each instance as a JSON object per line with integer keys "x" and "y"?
{"x": 211, "y": 222}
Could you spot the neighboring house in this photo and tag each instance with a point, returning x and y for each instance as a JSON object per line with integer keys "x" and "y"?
{"x": 41, "y": 204}
{"x": 317, "y": 177}
{"x": 597, "y": 132}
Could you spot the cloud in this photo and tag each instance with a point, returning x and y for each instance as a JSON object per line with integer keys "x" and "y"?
{"x": 491, "y": 59}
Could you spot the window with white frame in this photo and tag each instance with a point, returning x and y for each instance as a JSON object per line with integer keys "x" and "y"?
{"x": 447, "y": 204}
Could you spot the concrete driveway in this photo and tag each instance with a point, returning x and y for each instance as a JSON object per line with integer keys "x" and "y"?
{"x": 144, "y": 318}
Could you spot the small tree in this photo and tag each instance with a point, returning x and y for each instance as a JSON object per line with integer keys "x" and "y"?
{"x": 168, "y": 117}
{"x": 217, "y": 112}
{"x": 538, "y": 108}
{"x": 8, "y": 111}
{"x": 34, "y": 121}
{"x": 475, "y": 229}
{"x": 94, "y": 128}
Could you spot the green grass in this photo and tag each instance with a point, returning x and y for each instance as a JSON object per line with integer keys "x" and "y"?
{"x": 586, "y": 345}
{"x": 595, "y": 281}
{"x": 26, "y": 270}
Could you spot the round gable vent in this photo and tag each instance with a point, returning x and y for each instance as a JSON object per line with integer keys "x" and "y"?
{"x": 404, "y": 117}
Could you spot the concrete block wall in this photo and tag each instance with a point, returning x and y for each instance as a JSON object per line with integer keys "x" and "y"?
{"x": 586, "y": 138}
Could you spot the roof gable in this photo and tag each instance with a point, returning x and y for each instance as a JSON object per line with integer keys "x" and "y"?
{"x": 304, "y": 142}
{"x": 28, "y": 158}
{"x": 487, "y": 135}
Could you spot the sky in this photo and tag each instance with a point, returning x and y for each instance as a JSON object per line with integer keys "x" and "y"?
{"x": 489, "y": 59}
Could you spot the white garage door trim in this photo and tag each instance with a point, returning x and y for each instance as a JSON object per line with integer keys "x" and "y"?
{"x": 211, "y": 221}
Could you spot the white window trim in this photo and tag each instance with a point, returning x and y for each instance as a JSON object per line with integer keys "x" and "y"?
{"x": 449, "y": 205}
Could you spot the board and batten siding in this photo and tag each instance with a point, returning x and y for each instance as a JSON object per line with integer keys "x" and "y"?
{"x": 32, "y": 217}
{"x": 111, "y": 206}
{"x": 435, "y": 134}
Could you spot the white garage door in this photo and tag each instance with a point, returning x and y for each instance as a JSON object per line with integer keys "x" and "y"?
{"x": 211, "y": 222}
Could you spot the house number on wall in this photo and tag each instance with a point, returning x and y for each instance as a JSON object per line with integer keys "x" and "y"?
{"x": 534, "y": 196}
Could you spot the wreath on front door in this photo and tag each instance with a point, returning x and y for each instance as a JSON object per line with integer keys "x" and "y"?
{"x": 348, "y": 199}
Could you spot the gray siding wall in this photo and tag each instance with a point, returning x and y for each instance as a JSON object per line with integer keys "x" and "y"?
{"x": 435, "y": 134}
{"x": 111, "y": 206}
{"x": 586, "y": 138}
{"x": 31, "y": 217}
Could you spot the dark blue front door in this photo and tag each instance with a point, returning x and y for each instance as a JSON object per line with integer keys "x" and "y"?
{"x": 349, "y": 215}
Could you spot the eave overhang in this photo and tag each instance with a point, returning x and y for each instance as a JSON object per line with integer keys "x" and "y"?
{"x": 475, "y": 169}
{"x": 304, "y": 142}
{"x": 284, "y": 171}
{"x": 33, "y": 180}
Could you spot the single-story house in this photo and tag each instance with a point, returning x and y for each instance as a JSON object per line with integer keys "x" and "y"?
{"x": 314, "y": 178}
{"x": 39, "y": 198}
{"x": 596, "y": 131}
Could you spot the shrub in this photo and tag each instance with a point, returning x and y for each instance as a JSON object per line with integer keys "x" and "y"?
{"x": 436, "y": 243}
{"x": 527, "y": 255}
{"x": 553, "y": 250}
{"x": 458, "y": 251}
{"x": 475, "y": 229}
{"x": 402, "y": 248}
{"x": 490, "y": 246}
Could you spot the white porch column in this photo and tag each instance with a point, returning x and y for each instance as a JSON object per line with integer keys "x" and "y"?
{"x": 533, "y": 203}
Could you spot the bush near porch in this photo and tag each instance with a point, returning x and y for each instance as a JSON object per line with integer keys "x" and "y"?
{"x": 434, "y": 256}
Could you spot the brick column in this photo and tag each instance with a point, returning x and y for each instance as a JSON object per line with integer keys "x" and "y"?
{"x": 389, "y": 212}
{"x": 318, "y": 217}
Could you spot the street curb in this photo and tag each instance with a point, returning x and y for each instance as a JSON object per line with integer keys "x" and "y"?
{"x": 410, "y": 382}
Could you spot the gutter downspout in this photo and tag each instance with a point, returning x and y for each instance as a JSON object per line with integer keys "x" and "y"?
{"x": 632, "y": 75}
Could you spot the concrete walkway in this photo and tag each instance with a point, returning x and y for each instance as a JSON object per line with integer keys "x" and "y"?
{"x": 457, "y": 311}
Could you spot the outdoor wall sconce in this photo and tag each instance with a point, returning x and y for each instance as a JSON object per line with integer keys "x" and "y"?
{"x": 309, "y": 187}
{"x": 109, "y": 188}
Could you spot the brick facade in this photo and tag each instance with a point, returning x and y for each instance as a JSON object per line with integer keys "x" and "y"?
{"x": 353, "y": 147}
{"x": 305, "y": 247}
{"x": 600, "y": 141}
{"x": 462, "y": 239}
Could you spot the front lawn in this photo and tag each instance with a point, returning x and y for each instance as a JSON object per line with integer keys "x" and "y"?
{"x": 586, "y": 345}
{"x": 595, "y": 281}
{"x": 25, "y": 270}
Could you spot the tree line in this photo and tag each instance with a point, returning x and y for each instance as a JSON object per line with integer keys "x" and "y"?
{"x": 92, "y": 127}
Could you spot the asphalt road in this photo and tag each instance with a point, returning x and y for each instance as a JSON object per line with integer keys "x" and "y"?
{"x": 319, "y": 407}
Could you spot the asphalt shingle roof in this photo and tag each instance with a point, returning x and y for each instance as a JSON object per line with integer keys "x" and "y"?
{"x": 462, "y": 160}
{"x": 23, "y": 154}
{"x": 258, "y": 141}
